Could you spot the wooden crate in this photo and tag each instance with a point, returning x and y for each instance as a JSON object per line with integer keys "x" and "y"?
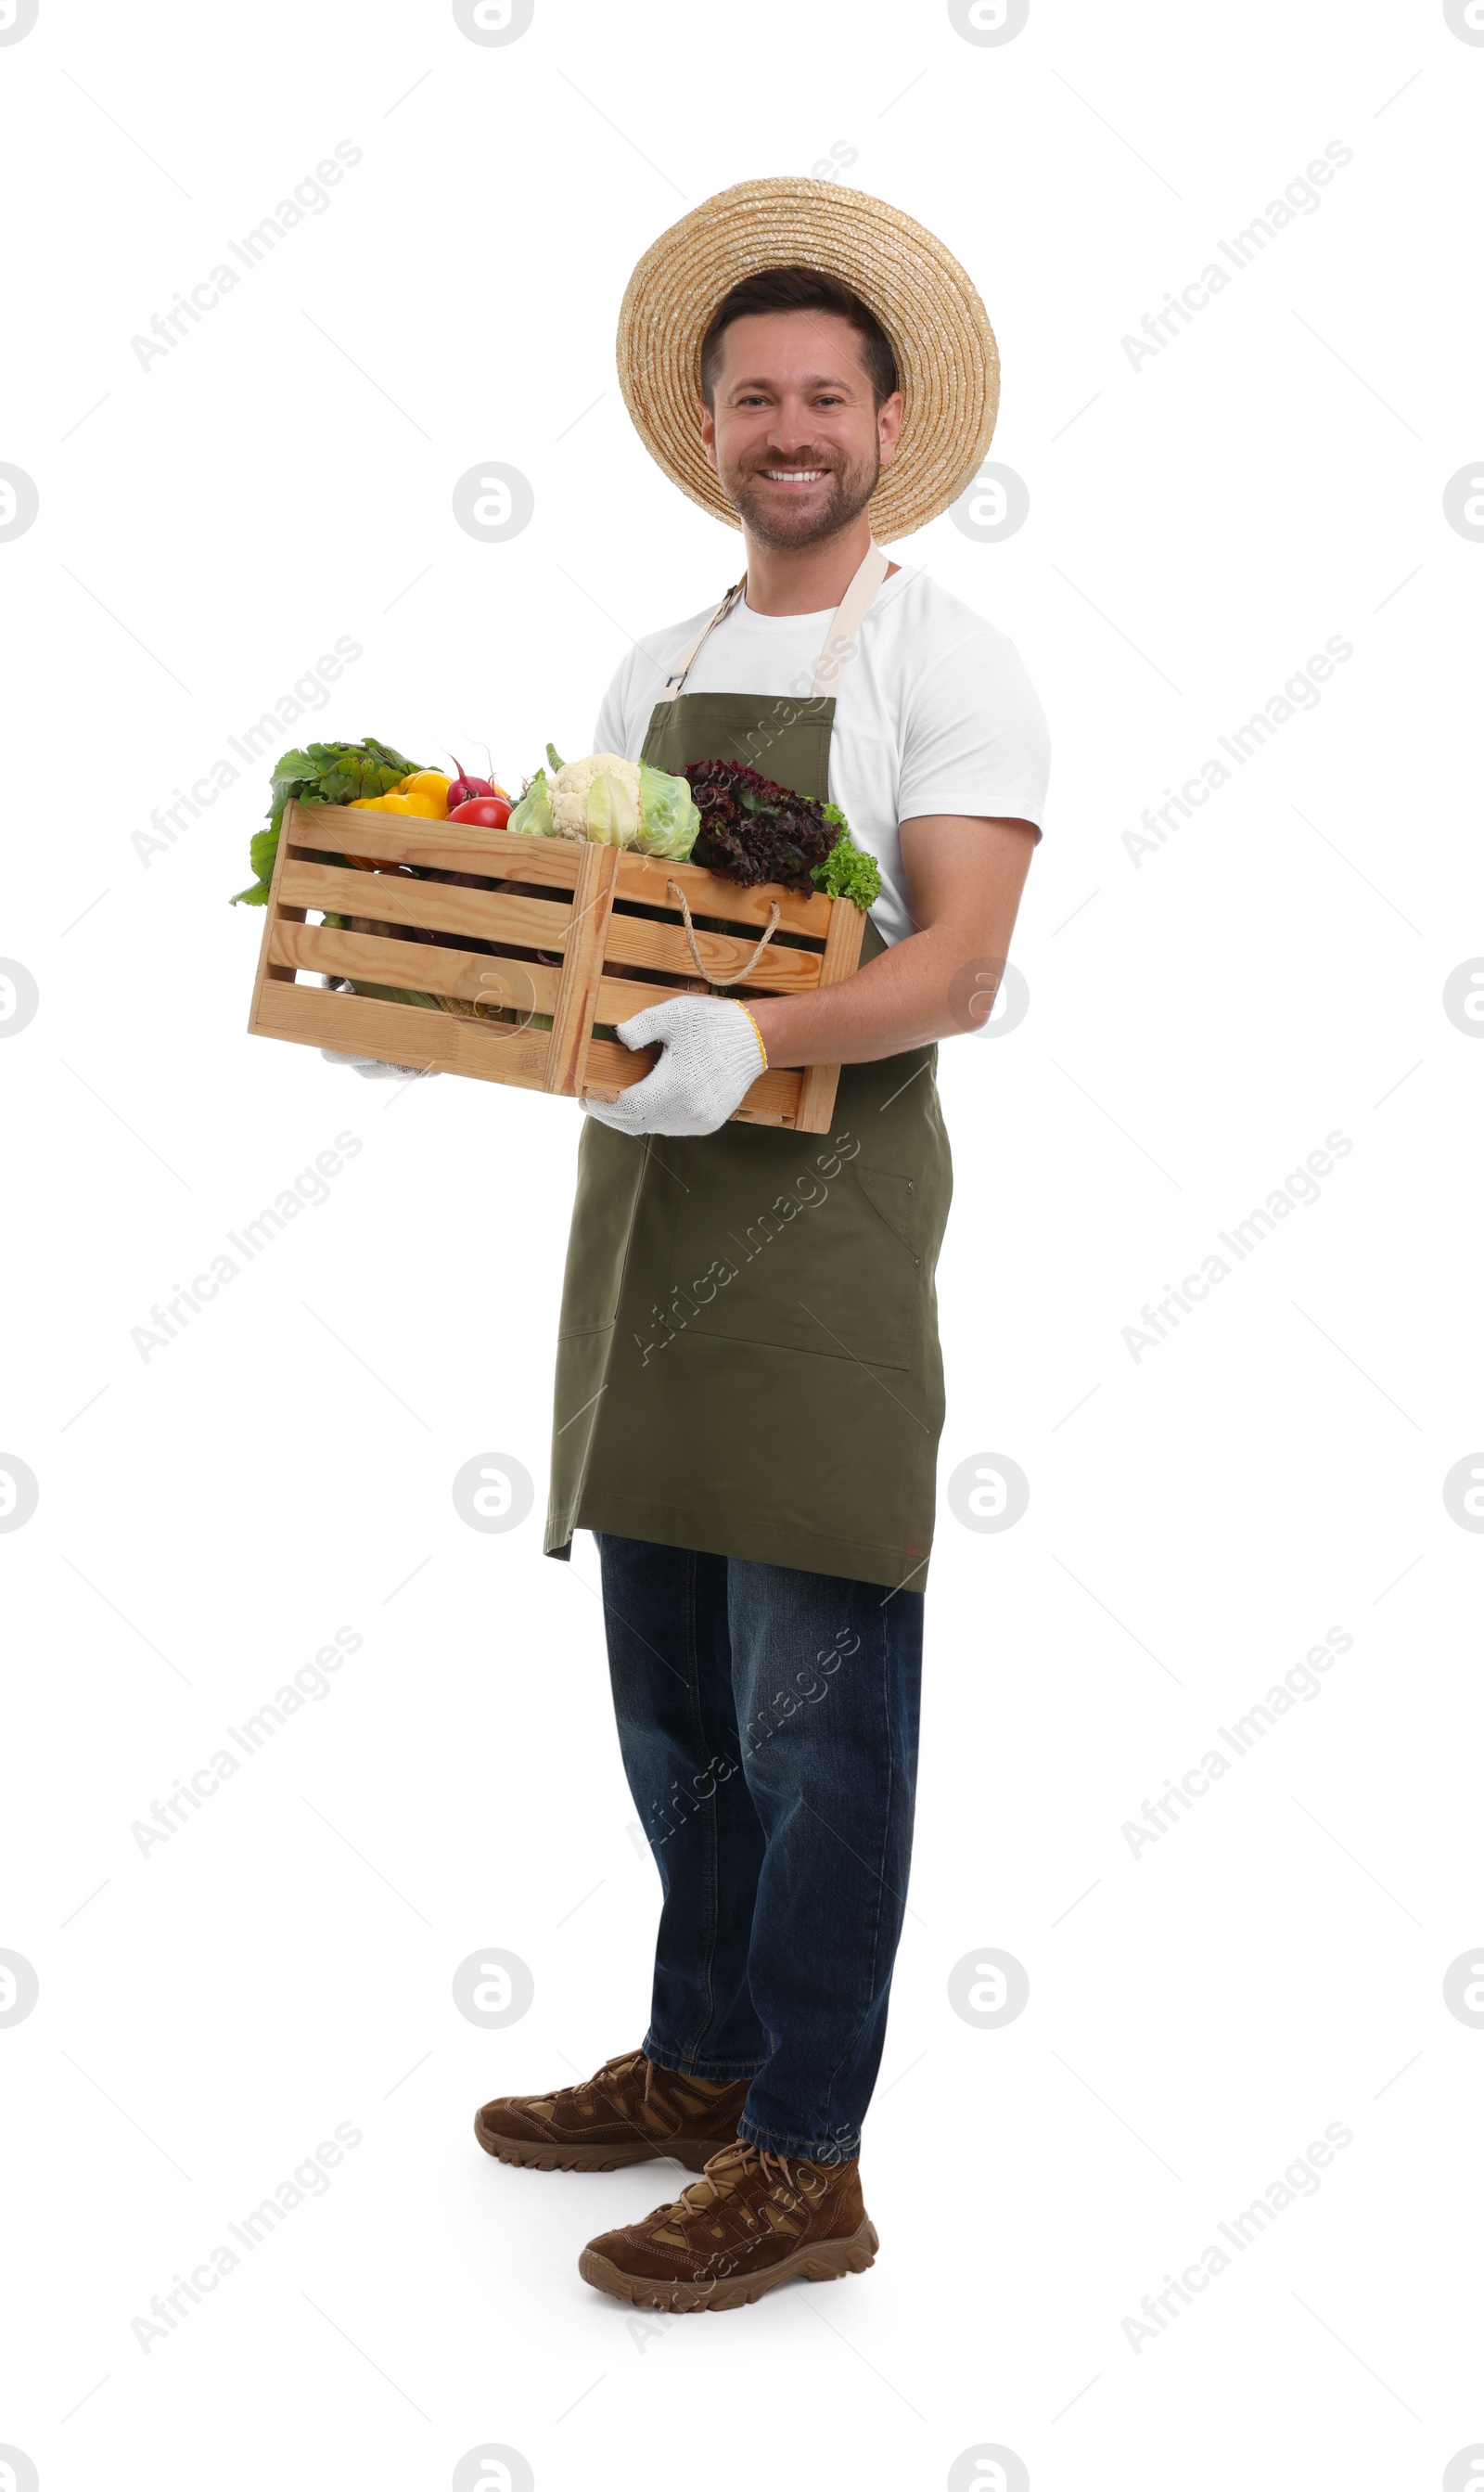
{"x": 548, "y": 931}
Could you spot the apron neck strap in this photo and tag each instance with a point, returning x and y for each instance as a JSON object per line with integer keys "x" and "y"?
{"x": 849, "y": 613}
{"x": 673, "y": 683}
{"x": 840, "y": 639}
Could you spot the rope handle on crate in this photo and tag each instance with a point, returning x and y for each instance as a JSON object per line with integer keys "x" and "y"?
{"x": 741, "y": 975}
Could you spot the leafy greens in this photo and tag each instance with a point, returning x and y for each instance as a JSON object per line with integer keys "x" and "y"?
{"x": 322, "y": 774}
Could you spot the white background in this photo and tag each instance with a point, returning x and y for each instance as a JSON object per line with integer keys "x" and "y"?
{"x": 1198, "y": 1024}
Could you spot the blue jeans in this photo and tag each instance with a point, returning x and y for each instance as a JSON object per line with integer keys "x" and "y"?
{"x": 768, "y": 1723}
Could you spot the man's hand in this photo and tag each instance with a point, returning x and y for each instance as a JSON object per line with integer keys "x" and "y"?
{"x": 375, "y": 1071}
{"x": 711, "y": 1058}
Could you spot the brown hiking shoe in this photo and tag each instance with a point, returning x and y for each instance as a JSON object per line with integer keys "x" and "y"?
{"x": 752, "y": 2221}
{"x": 628, "y": 2113}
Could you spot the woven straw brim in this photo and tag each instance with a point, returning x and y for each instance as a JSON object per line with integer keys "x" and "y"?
{"x": 947, "y": 362}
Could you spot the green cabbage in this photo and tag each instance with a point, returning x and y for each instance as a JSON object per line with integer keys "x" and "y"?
{"x": 533, "y": 814}
{"x": 668, "y": 815}
{"x": 612, "y": 811}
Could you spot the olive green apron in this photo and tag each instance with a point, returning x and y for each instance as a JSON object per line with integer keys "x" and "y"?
{"x": 748, "y": 1358}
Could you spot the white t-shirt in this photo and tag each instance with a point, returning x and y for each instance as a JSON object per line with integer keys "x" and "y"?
{"x": 934, "y": 713}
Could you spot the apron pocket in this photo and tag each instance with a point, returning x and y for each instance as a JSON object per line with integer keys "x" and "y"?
{"x": 824, "y": 1266}
{"x": 894, "y": 1198}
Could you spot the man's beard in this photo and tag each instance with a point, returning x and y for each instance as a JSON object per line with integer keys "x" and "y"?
{"x": 769, "y": 519}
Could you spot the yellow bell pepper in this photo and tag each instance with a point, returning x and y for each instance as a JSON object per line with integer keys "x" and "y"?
{"x": 431, "y": 788}
{"x": 422, "y": 792}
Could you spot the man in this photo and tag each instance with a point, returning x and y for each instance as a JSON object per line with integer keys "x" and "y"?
{"x": 749, "y": 1391}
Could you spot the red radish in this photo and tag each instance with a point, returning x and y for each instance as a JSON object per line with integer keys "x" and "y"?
{"x": 465, "y": 785}
{"x": 489, "y": 813}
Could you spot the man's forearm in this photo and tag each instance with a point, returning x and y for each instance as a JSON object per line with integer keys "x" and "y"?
{"x": 966, "y": 874}
{"x": 927, "y": 987}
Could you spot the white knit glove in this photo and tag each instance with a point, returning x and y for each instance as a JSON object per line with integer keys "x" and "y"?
{"x": 375, "y": 1071}
{"x": 711, "y": 1058}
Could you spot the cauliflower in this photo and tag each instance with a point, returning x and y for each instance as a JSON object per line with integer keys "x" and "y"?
{"x": 597, "y": 798}
{"x": 616, "y": 803}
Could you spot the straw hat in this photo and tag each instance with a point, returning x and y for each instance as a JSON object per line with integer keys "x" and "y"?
{"x": 947, "y": 358}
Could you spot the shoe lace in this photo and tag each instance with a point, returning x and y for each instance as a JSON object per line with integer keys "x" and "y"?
{"x": 725, "y": 2175}
{"x": 613, "y": 2078}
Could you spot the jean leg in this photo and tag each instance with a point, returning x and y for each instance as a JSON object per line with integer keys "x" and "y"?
{"x": 826, "y": 1676}
{"x": 669, "y": 1663}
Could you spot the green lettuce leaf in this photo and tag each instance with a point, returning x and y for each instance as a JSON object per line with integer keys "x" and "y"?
{"x": 322, "y": 774}
{"x": 849, "y": 872}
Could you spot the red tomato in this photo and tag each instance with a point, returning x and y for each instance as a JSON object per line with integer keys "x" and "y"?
{"x": 489, "y": 813}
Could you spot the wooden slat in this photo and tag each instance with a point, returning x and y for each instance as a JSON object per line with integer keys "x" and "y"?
{"x": 403, "y": 1034}
{"x": 516, "y": 986}
{"x": 268, "y": 972}
{"x": 841, "y": 957}
{"x": 712, "y": 895}
{"x": 499, "y": 916}
{"x": 786, "y": 1091}
{"x": 612, "y": 1067}
{"x": 462, "y": 847}
{"x": 581, "y": 969}
{"x": 618, "y": 999}
{"x": 650, "y": 945}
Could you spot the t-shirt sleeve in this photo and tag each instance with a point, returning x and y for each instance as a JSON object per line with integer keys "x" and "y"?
{"x": 975, "y": 738}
